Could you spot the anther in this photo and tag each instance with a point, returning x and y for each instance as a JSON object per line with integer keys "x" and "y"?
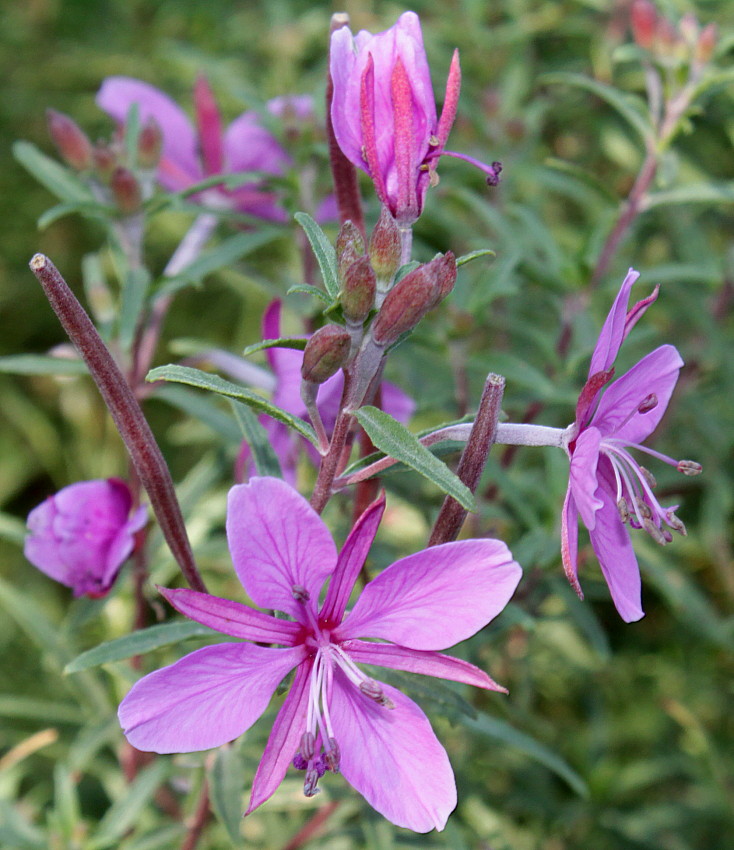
{"x": 332, "y": 756}
{"x": 433, "y": 141}
{"x": 649, "y": 477}
{"x": 300, "y": 594}
{"x": 648, "y": 403}
{"x": 370, "y": 688}
{"x": 675, "y": 523}
{"x": 643, "y": 509}
{"x": 654, "y": 532}
{"x": 308, "y": 745}
{"x": 310, "y": 782}
{"x": 624, "y": 511}
{"x": 667, "y": 535}
{"x": 689, "y": 467}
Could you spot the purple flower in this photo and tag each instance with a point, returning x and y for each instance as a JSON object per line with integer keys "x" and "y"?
{"x": 335, "y": 717}
{"x": 607, "y": 487}
{"x": 286, "y": 366}
{"x": 384, "y": 113}
{"x": 82, "y": 535}
{"x": 191, "y": 154}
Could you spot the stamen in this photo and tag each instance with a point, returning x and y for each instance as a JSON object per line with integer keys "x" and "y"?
{"x": 300, "y": 594}
{"x": 623, "y": 508}
{"x": 675, "y": 523}
{"x": 308, "y": 745}
{"x": 332, "y": 756}
{"x": 648, "y": 403}
{"x": 689, "y": 467}
{"x": 372, "y": 689}
{"x": 644, "y": 509}
{"x": 649, "y": 477}
{"x": 310, "y": 782}
{"x": 654, "y": 532}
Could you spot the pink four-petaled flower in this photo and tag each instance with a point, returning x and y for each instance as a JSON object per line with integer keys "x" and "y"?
{"x": 335, "y": 716}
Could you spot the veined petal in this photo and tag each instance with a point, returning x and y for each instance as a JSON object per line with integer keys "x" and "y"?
{"x": 392, "y": 757}
{"x": 582, "y": 475}
{"x": 419, "y": 661}
{"x": 611, "y": 542}
{"x": 657, "y": 374}
{"x": 232, "y": 618}
{"x": 350, "y": 562}
{"x": 437, "y": 597}
{"x": 613, "y": 331}
{"x": 277, "y": 542}
{"x": 570, "y": 541}
{"x": 284, "y": 739}
{"x": 118, "y": 94}
{"x": 206, "y": 699}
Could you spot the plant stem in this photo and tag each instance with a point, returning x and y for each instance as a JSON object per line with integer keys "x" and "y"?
{"x": 198, "y": 822}
{"x": 312, "y": 826}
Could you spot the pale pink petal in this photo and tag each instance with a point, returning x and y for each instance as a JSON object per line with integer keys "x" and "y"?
{"x": 437, "y": 597}
{"x": 582, "y": 475}
{"x": 612, "y": 332}
{"x": 570, "y": 541}
{"x": 350, "y": 562}
{"x": 232, "y": 618}
{"x": 418, "y": 661}
{"x": 611, "y": 542}
{"x": 392, "y": 757}
{"x": 206, "y": 699}
{"x": 248, "y": 146}
{"x": 278, "y": 543}
{"x": 656, "y": 374}
{"x": 284, "y": 740}
{"x": 345, "y": 105}
{"x": 118, "y": 94}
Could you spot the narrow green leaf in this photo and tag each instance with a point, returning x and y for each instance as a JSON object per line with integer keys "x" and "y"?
{"x": 89, "y": 208}
{"x": 395, "y": 440}
{"x": 474, "y": 255}
{"x": 499, "y": 730}
{"x": 296, "y": 342}
{"x": 226, "y": 783}
{"x": 324, "y": 251}
{"x": 699, "y": 193}
{"x": 266, "y": 461}
{"x": 41, "y": 364}
{"x": 137, "y": 282}
{"x": 307, "y": 289}
{"x": 138, "y": 643}
{"x": 215, "y": 384}
{"x": 30, "y": 708}
{"x": 55, "y": 177}
{"x": 626, "y": 106}
{"x": 16, "y": 833}
{"x": 201, "y": 407}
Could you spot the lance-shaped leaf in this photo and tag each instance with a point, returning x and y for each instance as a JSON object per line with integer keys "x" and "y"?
{"x": 324, "y": 251}
{"x": 394, "y": 439}
{"x": 297, "y": 343}
{"x": 215, "y": 384}
{"x": 57, "y": 179}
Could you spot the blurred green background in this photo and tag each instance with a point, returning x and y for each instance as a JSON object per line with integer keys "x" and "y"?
{"x": 641, "y": 713}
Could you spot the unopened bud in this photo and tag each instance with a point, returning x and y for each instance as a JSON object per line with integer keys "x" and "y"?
{"x": 384, "y": 247}
{"x": 689, "y": 467}
{"x": 644, "y": 23}
{"x": 349, "y": 234}
{"x": 126, "y": 190}
{"x": 358, "y": 290}
{"x": 72, "y": 142}
{"x": 648, "y": 403}
{"x": 326, "y": 351}
{"x": 105, "y": 161}
{"x": 412, "y": 297}
{"x": 706, "y": 44}
{"x": 689, "y": 29}
{"x": 346, "y": 257}
{"x": 150, "y": 143}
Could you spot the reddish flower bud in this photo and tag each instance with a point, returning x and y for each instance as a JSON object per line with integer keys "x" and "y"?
{"x": 150, "y": 144}
{"x": 358, "y": 291}
{"x": 126, "y": 190}
{"x": 706, "y": 44}
{"x": 326, "y": 351}
{"x": 384, "y": 247}
{"x": 644, "y": 23}
{"x": 349, "y": 234}
{"x": 412, "y": 297}
{"x": 72, "y": 142}
{"x": 105, "y": 161}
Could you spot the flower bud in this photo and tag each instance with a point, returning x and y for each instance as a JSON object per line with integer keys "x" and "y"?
{"x": 326, "y": 351}
{"x": 71, "y": 141}
{"x": 349, "y": 234}
{"x": 644, "y": 18}
{"x": 385, "y": 246}
{"x": 412, "y": 297}
{"x": 126, "y": 190}
{"x": 150, "y": 143}
{"x": 706, "y": 44}
{"x": 105, "y": 161}
{"x": 358, "y": 290}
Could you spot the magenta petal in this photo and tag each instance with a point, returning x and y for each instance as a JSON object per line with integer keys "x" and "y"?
{"x": 248, "y": 146}
{"x": 611, "y": 542}
{"x": 437, "y": 597}
{"x": 345, "y": 114}
{"x": 613, "y": 331}
{"x": 118, "y": 94}
{"x": 206, "y": 699}
{"x": 277, "y": 542}
{"x": 419, "y": 661}
{"x": 284, "y": 740}
{"x": 392, "y": 757}
{"x": 350, "y": 562}
{"x": 570, "y": 541}
{"x": 657, "y": 374}
{"x": 285, "y": 363}
{"x": 122, "y": 545}
{"x": 397, "y": 403}
{"x": 582, "y": 475}
{"x": 231, "y": 618}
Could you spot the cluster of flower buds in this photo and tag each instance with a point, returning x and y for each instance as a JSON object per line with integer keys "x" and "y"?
{"x": 105, "y": 165}
{"x": 687, "y": 43}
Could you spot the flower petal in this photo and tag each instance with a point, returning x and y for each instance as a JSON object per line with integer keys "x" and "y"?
{"x": 612, "y": 332}
{"x": 611, "y": 542}
{"x": 419, "y": 661}
{"x": 248, "y": 146}
{"x": 206, "y": 699}
{"x": 284, "y": 740}
{"x": 118, "y": 94}
{"x": 657, "y": 374}
{"x": 285, "y": 363}
{"x": 232, "y": 618}
{"x": 397, "y": 403}
{"x": 437, "y": 597}
{"x": 350, "y": 562}
{"x": 277, "y": 542}
{"x": 582, "y": 475}
{"x": 392, "y": 757}
{"x": 570, "y": 541}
